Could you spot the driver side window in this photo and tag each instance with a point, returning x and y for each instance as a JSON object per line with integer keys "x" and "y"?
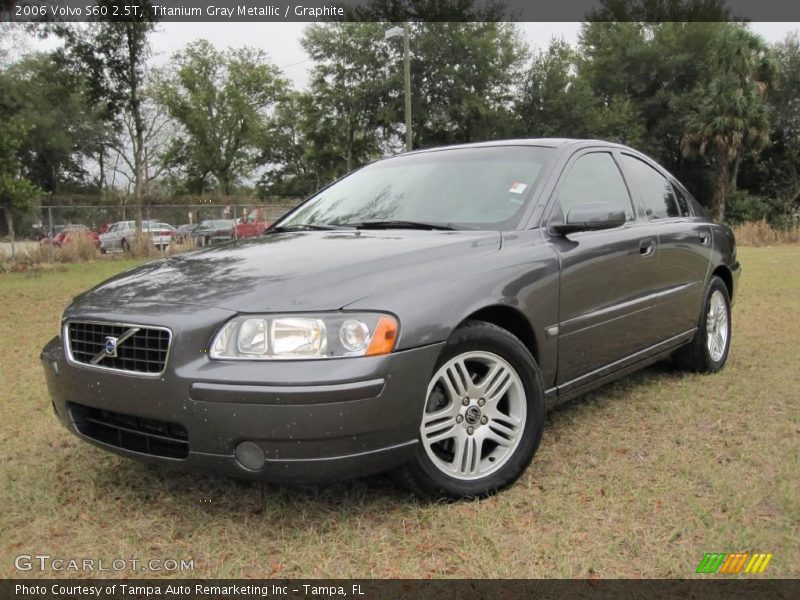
{"x": 593, "y": 177}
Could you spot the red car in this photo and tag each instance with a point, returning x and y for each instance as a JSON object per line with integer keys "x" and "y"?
{"x": 255, "y": 224}
{"x": 65, "y": 234}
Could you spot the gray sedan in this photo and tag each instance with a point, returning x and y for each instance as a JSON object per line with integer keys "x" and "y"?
{"x": 420, "y": 314}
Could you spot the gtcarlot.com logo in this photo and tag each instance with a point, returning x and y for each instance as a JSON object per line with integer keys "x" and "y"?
{"x": 733, "y": 564}
{"x": 45, "y": 562}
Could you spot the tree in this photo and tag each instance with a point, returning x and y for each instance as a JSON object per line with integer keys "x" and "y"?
{"x": 351, "y": 88}
{"x": 62, "y": 128}
{"x": 293, "y": 166}
{"x": 158, "y": 131}
{"x": 427, "y": 10}
{"x": 653, "y": 11}
{"x": 556, "y": 101}
{"x": 464, "y": 78}
{"x": 731, "y": 116}
{"x": 17, "y": 195}
{"x": 114, "y": 55}
{"x": 223, "y": 102}
{"x": 775, "y": 172}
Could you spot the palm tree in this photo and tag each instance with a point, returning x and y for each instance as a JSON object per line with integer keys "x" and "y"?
{"x": 731, "y": 116}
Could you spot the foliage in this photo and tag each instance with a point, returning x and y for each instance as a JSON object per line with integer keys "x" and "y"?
{"x": 293, "y": 168}
{"x": 731, "y": 116}
{"x": 775, "y": 172}
{"x": 463, "y": 89}
{"x": 114, "y": 54}
{"x": 678, "y": 80}
{"x": 62, "y": 129}
{"x": 348, "y": 121}
{"x": 223, "y": 103}
{"x": 17, "y": 195}
{"x": 557, "y": 100}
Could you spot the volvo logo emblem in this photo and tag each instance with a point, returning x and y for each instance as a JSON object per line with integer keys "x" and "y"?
{"x": 110, "y": 346}
{"x": 473, "y": 415}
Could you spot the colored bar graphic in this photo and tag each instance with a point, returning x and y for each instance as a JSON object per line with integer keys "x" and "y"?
{"x": 741, "y": 562}
{"x": 733, "y": 564}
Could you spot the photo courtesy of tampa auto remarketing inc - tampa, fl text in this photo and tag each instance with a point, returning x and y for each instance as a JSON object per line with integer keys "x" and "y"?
{"x": 399, "y": 299}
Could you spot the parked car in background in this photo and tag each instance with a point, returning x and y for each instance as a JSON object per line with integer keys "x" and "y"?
{"x": 213, "y": 231}
{"x": 121, "y": 234}
{"x": 255, "y": 224}
{"x": 185, "y": 231}
{"x": 420, "y": 313}
{"x": 66, "y": 234}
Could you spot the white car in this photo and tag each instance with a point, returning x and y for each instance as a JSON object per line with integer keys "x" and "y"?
{"x": 120, "y": 235}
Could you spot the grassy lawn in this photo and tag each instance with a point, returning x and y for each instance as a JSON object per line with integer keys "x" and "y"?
{"x": 638, "y": 479}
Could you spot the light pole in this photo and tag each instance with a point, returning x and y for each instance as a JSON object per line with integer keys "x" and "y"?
{"x": 395, "y": 32}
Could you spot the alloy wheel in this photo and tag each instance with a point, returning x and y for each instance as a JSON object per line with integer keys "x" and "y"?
{"x": 474, "y": 416}
{"x": 717, "y": 326}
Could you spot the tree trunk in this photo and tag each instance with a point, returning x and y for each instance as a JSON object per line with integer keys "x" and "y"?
{"x": 10, "y": 224}
{"x": 101, "y": 165}
{"x": 721, "y": 188}
{"x": 350, "y": 141}
{"x": 138, "y": 121}
{"x": 735, "y": 173}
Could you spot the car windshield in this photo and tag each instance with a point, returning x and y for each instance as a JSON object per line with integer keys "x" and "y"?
{"x": 470, "y": 187}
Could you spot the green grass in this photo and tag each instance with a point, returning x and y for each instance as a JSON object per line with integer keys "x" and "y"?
{"x": 638, "y": 479}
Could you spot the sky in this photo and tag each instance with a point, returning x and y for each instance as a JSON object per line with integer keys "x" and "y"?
{"x": 281, "y": 41}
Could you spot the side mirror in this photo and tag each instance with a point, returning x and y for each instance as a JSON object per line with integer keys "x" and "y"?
{"x": 592, "y": 216}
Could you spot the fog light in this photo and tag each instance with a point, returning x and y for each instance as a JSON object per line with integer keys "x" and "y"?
{"x": 250, "y": 455}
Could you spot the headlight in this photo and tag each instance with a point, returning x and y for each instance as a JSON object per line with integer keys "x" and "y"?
{"x": 326, "y": 335}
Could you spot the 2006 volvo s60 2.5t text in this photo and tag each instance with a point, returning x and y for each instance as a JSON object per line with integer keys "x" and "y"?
{"x": 421, "y": 314}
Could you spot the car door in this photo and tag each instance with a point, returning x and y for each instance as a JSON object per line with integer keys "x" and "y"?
{"x": 605, "y": 297}
{"x": 684, "y": 245}
{"x": 111, "y": 238}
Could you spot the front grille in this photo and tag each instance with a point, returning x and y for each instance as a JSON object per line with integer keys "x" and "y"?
{"x": 137, "y": 349}
{"x": 138, "y": 434}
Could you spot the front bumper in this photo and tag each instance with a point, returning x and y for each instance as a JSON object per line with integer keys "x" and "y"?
{"x": 312, "y": 420}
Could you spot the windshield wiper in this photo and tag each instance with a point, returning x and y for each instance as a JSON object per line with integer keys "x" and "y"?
{"x": 305, "y": 227}
{"x": 403, "y": 225}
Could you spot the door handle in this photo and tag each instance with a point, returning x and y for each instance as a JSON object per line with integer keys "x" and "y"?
{"x": 647, "y": 247}
{"x": 705, "y": 239}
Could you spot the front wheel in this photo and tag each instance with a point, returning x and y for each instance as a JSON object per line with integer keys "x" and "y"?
{"x": 708, "y": 350}
{"x": 483, "y": 416}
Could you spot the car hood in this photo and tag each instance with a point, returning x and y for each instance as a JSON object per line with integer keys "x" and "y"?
{"x": 293, "y": 271}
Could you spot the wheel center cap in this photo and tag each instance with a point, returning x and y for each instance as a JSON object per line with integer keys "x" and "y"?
{"x": 472, "y": 415}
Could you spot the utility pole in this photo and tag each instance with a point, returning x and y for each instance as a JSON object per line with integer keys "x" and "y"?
{"x": 407, "y": 61}
{"x": 395, "y": 32}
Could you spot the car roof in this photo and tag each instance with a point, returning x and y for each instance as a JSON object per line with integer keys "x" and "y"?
{"x": 560, "y": 143}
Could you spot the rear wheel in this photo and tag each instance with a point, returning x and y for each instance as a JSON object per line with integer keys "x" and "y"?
{"x": 483, "y": 417}
{"x": 126, "y": 247}
{"x": 708, "y": 350}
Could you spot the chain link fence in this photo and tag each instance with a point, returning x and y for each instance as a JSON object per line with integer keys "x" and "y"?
{"x": 99, "y": 218}
{"x": 40, "y": 234}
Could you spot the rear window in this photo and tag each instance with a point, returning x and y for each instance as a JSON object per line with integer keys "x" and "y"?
{"x": 655, "y": 189}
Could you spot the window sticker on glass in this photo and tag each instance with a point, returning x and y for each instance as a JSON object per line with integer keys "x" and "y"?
{"x": 517, "y": 188}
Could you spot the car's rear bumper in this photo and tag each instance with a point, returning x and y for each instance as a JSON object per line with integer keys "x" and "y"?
{"x": 316, "y": 421}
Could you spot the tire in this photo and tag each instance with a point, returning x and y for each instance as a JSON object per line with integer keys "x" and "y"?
{"x": 487, "y": 443}
{"x": 126, "y": 247}
{"x": 708, "y": 350}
